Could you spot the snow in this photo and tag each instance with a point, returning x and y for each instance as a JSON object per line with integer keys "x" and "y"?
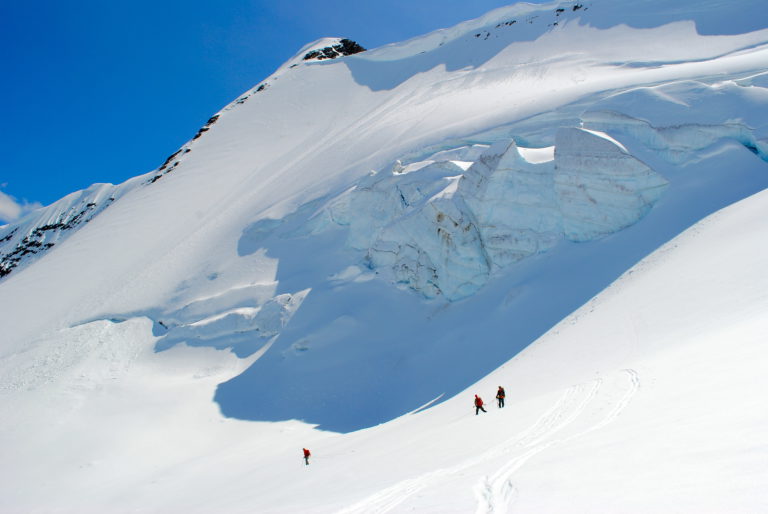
{"x": 537, "y": 155}
{"x": 571, "y": 206}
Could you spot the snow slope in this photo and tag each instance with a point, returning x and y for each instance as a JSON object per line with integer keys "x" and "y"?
{"x": 646, "y": 399}
{"x": 358, "y": 238}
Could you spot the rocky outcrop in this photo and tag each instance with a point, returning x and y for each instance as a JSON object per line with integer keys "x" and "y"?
{"x": 34, "y": 235}
{"x": 344, "y": 47}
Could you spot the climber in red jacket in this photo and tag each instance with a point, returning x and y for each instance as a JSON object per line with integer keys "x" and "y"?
{"x": 478, "y": 405}
{"x": 306, "y": 456}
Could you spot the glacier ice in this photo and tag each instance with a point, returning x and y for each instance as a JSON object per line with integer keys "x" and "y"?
{"x": 600, "y": 187}
{"x": 442, "y": 230}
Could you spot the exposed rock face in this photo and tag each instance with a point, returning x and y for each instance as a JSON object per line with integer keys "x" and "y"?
{"x": 344, "y": 47}
{"x": 173, "y": 160}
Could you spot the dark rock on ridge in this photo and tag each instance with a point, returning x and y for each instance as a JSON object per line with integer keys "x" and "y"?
{"x": 345, "y": 47}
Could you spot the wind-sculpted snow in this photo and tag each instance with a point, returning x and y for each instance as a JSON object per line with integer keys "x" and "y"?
{"x": 442, "y": 231}
{"x": 682, "y": 119}
{"x": 244, "y": 324}
{"x": 243, "y": 319}
{"x": 678, "y": 142}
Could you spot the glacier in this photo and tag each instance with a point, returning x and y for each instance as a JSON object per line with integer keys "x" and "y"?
{"x": 441, "y": 230}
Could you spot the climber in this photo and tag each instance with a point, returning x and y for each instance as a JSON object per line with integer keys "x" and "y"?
{"x": 478, "y": 405}
{"x": 306, "y": 456}
{"x": 500, "y": 396}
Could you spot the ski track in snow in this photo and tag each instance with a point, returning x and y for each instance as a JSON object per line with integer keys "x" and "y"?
{"x": 496, "y": 492}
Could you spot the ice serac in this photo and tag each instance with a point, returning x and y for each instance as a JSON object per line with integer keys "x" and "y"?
{"x": 439, "y": 249}
{"x": 514, "y": 204}
{"x": 600, "y": 187}
{"x": 442, "y": 228}
{"x": 403, "y": 220}
{"x": 499, "y": 211}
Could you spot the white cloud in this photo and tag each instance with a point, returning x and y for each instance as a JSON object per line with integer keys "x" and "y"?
{"x": 11, "y": 209}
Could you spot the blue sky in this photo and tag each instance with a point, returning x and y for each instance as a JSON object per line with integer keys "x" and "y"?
{"x": 101, "y": 91}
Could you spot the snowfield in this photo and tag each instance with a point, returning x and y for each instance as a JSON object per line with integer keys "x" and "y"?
{"x": 565, "y": 199}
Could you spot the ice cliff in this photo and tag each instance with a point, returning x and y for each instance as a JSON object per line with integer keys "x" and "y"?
{"x": 443, "y": 226}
